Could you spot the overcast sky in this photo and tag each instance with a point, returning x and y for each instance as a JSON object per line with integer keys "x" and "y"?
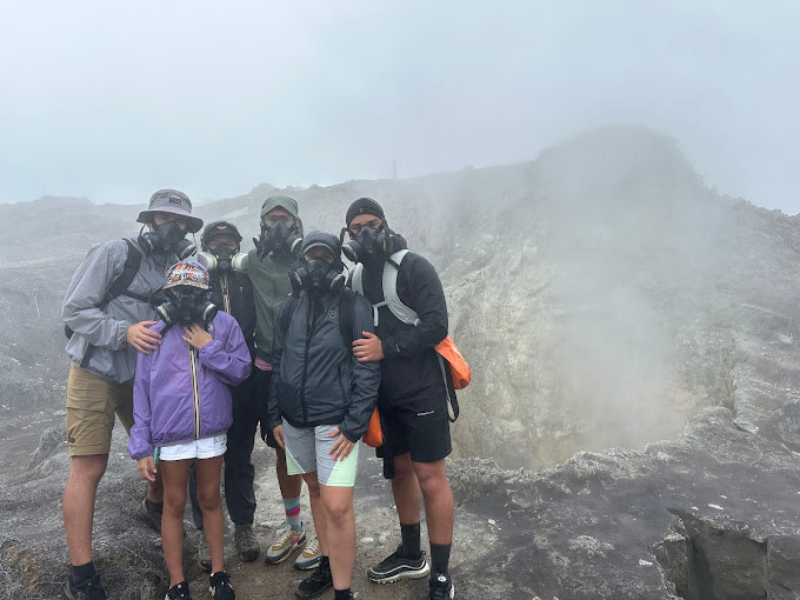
{"x": 113, "y": 101}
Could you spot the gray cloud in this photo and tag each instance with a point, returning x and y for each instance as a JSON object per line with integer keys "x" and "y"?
{"x": 111, "y": 103}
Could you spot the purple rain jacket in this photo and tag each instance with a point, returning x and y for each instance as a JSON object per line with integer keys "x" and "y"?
{"x": 180, "y": 394}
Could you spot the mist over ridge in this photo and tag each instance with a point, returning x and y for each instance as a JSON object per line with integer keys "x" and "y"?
{"x": 593, "y": 288}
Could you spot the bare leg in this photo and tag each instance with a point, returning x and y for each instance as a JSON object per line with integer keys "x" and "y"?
{"x": 406, "y": 490}
{"x": 155, "y": 489}
{"x": 208, "y": 477}
{"x": 175, "y": 476}
{"x": 340, "y": 533}
{"x": 85, "y": 473}
{"x": 291, "y": 485}
{"x": 438, "y": 500}
{"x": 317, "y": 511}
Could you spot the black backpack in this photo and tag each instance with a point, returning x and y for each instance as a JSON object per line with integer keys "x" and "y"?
{"x": 346, "y": 302}
{"x": 119, "y": 287}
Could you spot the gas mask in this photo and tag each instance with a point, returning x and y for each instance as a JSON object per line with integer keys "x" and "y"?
{"x": 318, "y": 274}
{"x": 222, "y": 258}
{"x": 278, "y": 238}
{"x": 368, "y": 245}
{"x": 184, "y": 307}
{"x": 166, "y": 239}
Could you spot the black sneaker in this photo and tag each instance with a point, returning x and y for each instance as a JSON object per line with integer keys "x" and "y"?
{"x": 394, "y": 568}
{"x": 441, "y": 587}
{"x": 220, "y": 586}
{"x": 152, "y": 513}
{"x": 87, "y": 590}
{"x": 316, "y": 584}
{"x": 179, "y": 592}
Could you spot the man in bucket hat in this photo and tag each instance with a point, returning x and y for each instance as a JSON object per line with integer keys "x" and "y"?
{"x": 107, "y": 313}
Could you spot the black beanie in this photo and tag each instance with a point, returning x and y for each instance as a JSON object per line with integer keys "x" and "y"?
{"x": 364, "y": 206}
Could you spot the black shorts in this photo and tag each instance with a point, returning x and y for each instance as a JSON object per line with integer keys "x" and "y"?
{"x": 262, "y": 382}
{"x": 420, "y": 427}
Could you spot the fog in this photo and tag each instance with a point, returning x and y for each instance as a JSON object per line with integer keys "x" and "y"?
{"x": 111, "y": 103}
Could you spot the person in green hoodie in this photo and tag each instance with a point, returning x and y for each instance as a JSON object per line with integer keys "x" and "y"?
{"x": 268, "y": 266}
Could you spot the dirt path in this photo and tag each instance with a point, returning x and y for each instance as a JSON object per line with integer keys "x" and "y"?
{"x": 377, "y": 535}
{"x": 122, "y": 540}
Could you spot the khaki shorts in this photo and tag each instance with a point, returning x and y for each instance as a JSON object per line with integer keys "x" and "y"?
{"x": 91, "y": 404}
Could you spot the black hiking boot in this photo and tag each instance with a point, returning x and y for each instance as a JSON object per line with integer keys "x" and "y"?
{"x": 315, "y": 584}
{"x": 394, "y": 568}
{"x": 179, "y": 592}
{"x": 220, "y": 586}
{"x": 441, "y": 587}
{"x": 86, "y": 590}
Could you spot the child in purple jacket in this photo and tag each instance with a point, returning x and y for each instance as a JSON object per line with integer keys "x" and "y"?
{"x": 182, "y": 409}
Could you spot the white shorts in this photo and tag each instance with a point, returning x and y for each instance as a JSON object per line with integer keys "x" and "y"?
{"x": 204, "y": 448}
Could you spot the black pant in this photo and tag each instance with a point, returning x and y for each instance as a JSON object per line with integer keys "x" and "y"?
{"x": 239, "y": 472}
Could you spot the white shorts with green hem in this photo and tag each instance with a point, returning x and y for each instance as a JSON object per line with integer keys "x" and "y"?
{"x": 308, "y": 450}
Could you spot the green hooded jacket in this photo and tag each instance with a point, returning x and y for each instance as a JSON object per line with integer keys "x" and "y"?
{"x": 270, "y": 279}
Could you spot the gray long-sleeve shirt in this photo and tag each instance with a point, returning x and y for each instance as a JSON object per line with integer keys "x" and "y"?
{"x": 113, "y": 358}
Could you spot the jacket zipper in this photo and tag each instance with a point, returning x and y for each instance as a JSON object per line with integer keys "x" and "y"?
{"x": 341, "y": 382}
{"x": 309, "y": 327}
{"x": 195, "y": 392}
{"x": 226, "y": 298}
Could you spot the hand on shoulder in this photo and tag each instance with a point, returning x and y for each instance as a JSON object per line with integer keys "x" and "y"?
{"x": 141, "y": 337}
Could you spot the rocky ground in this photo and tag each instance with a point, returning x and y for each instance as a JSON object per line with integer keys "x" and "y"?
{"x": 129, "y": 552}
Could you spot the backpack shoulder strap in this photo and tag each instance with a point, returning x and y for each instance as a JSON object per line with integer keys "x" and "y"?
{"x": 133, "y": 261}
{"x": 391, "y": 271}
{"x": 286, "y": 314}
{"x": 347, "y": 301}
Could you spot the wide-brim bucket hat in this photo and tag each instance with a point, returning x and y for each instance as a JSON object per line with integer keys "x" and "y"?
{"x": 174, "y": 202}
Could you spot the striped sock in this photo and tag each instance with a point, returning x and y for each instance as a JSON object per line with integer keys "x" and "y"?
{"x": 292, "y": 506}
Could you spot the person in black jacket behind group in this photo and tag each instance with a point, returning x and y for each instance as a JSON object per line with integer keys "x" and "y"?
{"x": 232, "y": 292}
{"x": 412, "y": 400}
{"x": 322, "y": 402}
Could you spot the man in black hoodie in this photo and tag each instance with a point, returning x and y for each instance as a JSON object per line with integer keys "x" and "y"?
{"x": 412, "y": 398}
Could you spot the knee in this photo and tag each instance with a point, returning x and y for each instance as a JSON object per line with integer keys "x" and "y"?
{"x": 339, "y": 512}
{"x": 313, "y": 486}
{"x": 88, "y": 469}
{"x": 432, "y": 479}
{"x": 208, "y": 499}
{"x": 174, "y": 504}
{"x": 403, "y": 469}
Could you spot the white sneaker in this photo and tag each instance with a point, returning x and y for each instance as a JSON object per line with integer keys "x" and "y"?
{"x": 310, "y": 556}
{"x": 284, "y": 546}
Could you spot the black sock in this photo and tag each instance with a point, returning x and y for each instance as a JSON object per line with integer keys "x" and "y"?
{"x": 411, "y": 546}
{"x": 325, "y": 563}
{"x": 341, "y": 594}
{"x": 81, "y": 573}
{"x": 440, "y": 558}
